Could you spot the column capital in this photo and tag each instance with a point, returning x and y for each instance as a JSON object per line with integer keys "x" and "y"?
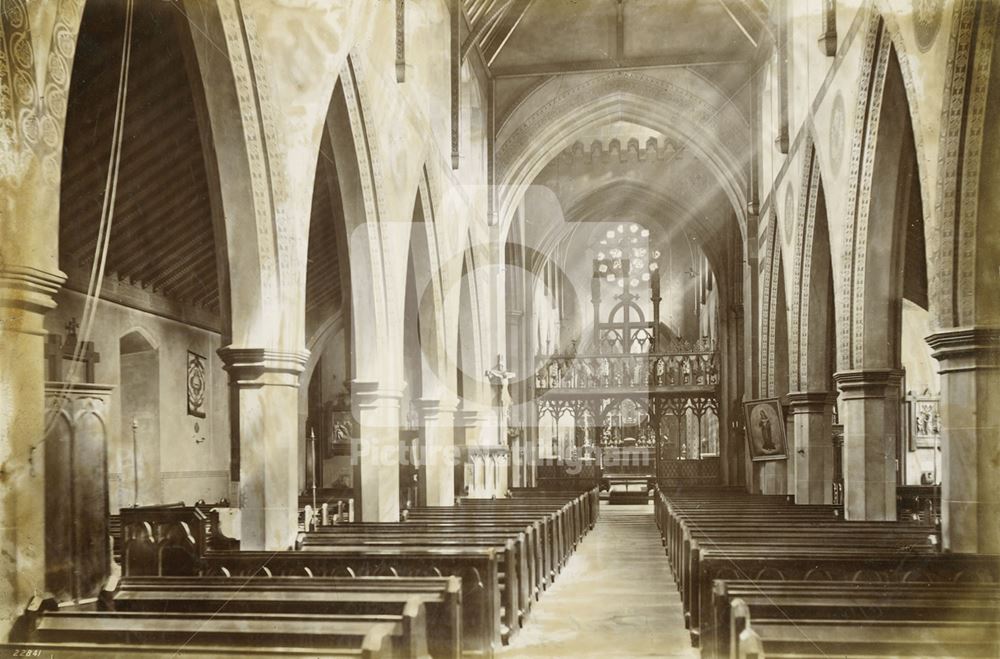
{"x": 810, "y": 402}
{"x": 257, "y": 367}
{"x": 868, "y": 383}
{"x": 433, "y": 408}
{"x": 966, "y": 348}
{"x": 29, "y": 290}
{"x": 370, "y": 394}
{"x": 471, "y": 417}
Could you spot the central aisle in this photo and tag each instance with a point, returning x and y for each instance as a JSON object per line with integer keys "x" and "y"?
{"x": 615, "y": 597}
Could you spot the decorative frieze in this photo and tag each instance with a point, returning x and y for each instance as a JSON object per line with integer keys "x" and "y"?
{"x": 654, "y": 150}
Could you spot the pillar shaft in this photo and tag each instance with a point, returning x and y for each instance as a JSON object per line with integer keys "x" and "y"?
{"x": 437, "y": 444}
{"x": 264, "y": 391}
{"x": 812, "y": 431}
{"x": 871, "y": 415}
{"x": 26, "y": 295}
{"x": 376, "y": 452}
{"x": 970, "y": 430}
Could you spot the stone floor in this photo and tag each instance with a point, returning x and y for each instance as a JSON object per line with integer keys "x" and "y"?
{"x": 615, "y": 598}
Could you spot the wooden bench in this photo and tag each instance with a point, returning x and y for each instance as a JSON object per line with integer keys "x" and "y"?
{"x": 168, "y": 540}
{"x": 733, "y": 600}
{"x": 780, "y": 638}
{"x": 441, "y": 598}
{"x": 711, "y": 536}
{"x": 402, "y": 635}
{"x": 515, "y": 577}
{"x": 448, "y": 530}
{"x": 476, "y": 567}
{"x": 550, "y": 543}
{"x": 508, "y": 579}
{"x": 631, "y": 489}
{"x": 375, "y": 646}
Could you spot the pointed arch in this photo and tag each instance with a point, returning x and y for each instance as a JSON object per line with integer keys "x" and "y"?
{"x": 429, "y": 289}
{"x": 884, "y": 149}
{"x": 773, "y": 316}
{"x": 349, "y": 132}
{"x": 810, "y": 313}
{"x": 709, "y": 126}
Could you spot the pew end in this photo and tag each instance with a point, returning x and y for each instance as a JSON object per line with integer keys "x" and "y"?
{"x": 26, "y": 622}
{"x": 750, "y": 645}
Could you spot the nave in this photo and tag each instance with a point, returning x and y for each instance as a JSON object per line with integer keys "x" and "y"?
{"x": 344, "y": 311}
{"x": 617, "y": 597}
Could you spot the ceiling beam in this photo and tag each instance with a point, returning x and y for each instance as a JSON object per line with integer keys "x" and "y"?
{"x": 511, "y": 19}
{"x": 620, "y": 31}
{"x": 482, "y": 29}
{"x": 593, "y": 66}
{"x": 739, "y": 23}
{"x": 480, "y": 9}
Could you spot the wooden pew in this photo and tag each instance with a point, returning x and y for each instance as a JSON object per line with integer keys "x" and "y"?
{"x": 515, "y": 575}
{"x": 733, "y": 600}
{"x": 561, "y": 528}
{"x": 550, "y": 542}
{"x": 508, "y": 577}
{"x": 374, "y": 646}
{"x": 402, "y": 635}
{"x": 590, "y": 497}
{"x": 533, "y": 549}
{"x": 711, "y": 535}
{"x": 168, "y": 540}
{"x": 476, "y": 567}
{"x": 780, "y": 638}
{"x": 441, "y": 598}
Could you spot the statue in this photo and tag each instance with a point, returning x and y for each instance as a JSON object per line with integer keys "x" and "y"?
{"x": 500, "y": 378}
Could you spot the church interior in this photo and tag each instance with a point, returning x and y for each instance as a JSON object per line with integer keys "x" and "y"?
{"x": 514, "y": 328}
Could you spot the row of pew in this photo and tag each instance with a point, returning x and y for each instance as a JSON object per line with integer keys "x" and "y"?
{"x": 762, "y": 577}
{"x": 446, "y": 582}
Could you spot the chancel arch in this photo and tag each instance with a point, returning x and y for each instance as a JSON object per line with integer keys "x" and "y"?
{"x": 547, "y": 121}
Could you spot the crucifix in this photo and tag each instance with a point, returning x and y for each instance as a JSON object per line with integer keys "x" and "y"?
{"x": 500, "y": 378}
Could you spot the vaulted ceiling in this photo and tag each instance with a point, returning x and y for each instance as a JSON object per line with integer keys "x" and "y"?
{"x": 161, "y": 236}
{"x": 533, "y": 37}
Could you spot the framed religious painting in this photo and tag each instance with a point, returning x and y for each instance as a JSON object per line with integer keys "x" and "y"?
{"x": 196, "y": 385}
{"x": 765, "y": 429}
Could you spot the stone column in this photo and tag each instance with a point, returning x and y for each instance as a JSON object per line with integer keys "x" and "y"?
{"x": 437, "y": 445}
{"x": 870, "y": 414}
{"x": 477, "y": 436}
{"x": 970, "y": 432}
{"x": 376, "y": 452}
{"x": 264, "y": 393}
{"x": 26, "y": 295}
{"x": 812, "y": 428}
